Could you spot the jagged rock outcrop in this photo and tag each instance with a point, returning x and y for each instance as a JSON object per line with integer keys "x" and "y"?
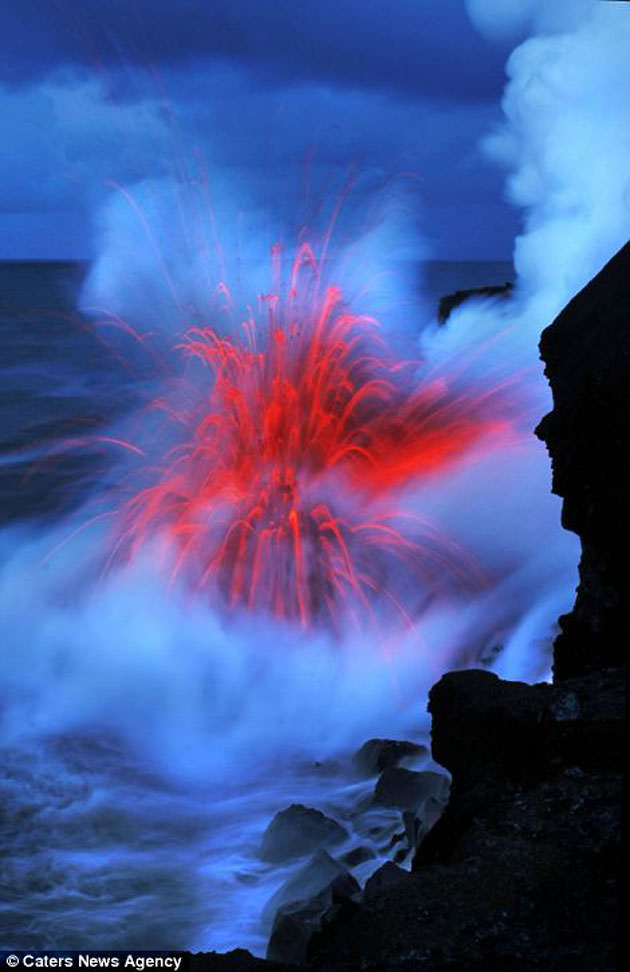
{"x": 317, "y": 891}
{"x": 587, "y": 356}
{"x": 297, "y": 831}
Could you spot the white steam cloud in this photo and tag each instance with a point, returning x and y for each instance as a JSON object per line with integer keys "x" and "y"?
{"x": 566, "y": 144}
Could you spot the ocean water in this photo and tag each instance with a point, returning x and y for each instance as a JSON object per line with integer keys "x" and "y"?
{"x": 105, "y": 844}
{"x": 58, "y": 379}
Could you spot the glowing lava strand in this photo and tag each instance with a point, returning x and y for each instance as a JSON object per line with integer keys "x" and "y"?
{"x": 279, "y": 499}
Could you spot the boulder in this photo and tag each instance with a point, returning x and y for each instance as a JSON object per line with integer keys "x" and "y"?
{"x": 376, "y": 755}
{"x": 293, "y": 927}
{"x": 318, "y": 875}
{"x": 298, "y": 831}
{"x": 302, "y": 902}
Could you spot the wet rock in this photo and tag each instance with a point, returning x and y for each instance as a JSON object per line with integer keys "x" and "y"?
{"x": 301, "y": 904}
{"x": 395, "y": 839}
{"x": 408, "y": 789}
{"x": 376, "y": 755}
{"x": 403, "y": 842}
{"x": 316, "y": 876}
{"x": 298, "y": 831}
{"x": 294, "y": 926}
{"x": 432, "y": 810}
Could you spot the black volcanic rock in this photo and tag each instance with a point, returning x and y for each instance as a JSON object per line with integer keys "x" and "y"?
{"x": 301, "y": 904}
{"x": 376, "y": 755}
{"x": 484, "y": 727}
{"x": 528, "y": 885}
{"x": 294, "y": 926}
{"x": 449, "y": 302}
{"x": 497, "y": 736}
{"x": 520, "y": 872}
{"x": 298, "y": 831}
{"x": 318, "y": 874}
{"x": 587, "y": 356}
{"x": 388, "y": 876}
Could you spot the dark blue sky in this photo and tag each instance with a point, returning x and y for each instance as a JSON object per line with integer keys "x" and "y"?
{"x": 99, "y": 90}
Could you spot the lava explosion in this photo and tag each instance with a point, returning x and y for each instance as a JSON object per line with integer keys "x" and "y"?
{"x": 283, "y": 496}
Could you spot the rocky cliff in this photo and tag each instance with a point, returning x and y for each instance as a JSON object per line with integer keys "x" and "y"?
{"x": 587, "y": 356}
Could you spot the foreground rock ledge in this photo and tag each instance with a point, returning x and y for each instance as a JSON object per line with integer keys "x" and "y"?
{"x": 520, "y": 872}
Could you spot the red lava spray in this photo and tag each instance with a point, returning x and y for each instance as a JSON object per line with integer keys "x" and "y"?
{"x": 282, "y": 492}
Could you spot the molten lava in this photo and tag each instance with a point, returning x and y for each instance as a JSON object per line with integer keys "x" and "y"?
{"x": 283, "y": 495}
